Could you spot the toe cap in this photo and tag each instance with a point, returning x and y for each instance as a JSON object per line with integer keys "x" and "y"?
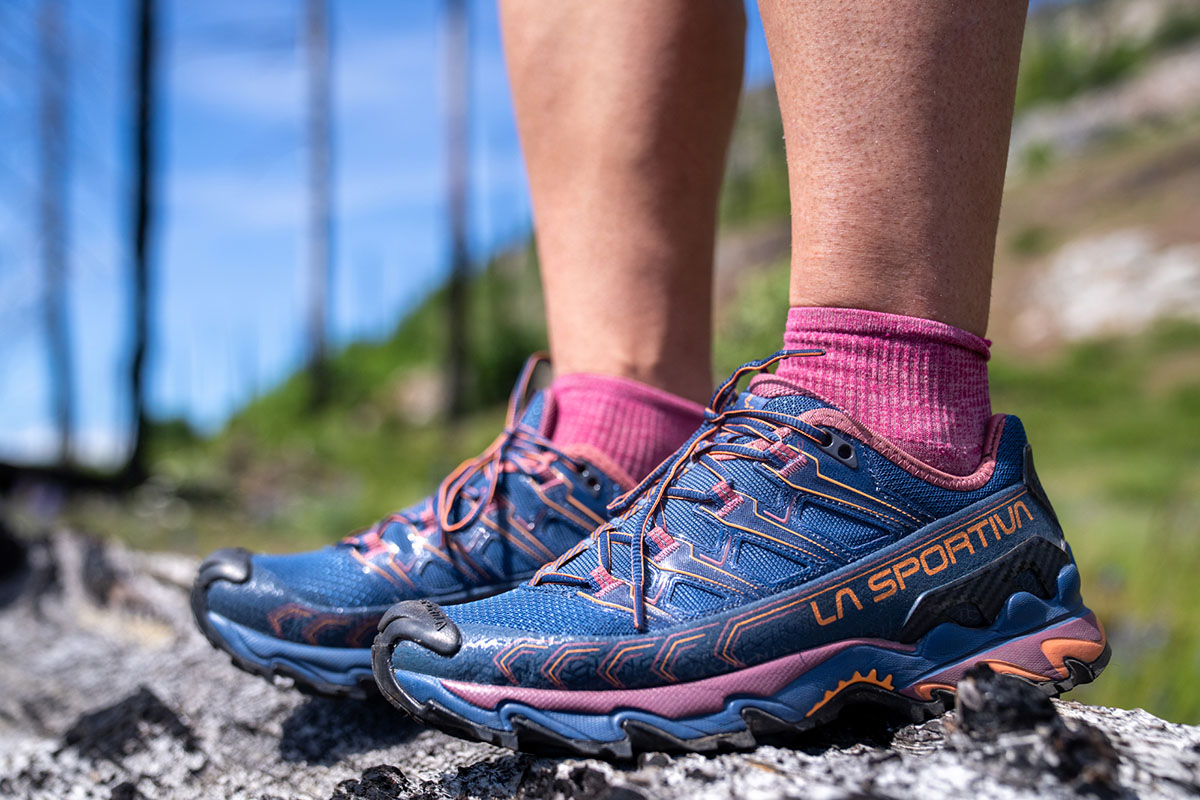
{"x": 422, "y": 622}
{"x": 228, "y": 564}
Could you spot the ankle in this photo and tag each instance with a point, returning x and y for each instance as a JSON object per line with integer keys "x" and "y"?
{"x": 633, "y": 424}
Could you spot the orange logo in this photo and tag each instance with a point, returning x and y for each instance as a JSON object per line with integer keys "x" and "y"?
{"x": 932, "y": 559}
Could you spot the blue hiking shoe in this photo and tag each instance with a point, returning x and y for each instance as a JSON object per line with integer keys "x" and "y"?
{"x": 784, "y": 563}
{"x": 495, "y": 520}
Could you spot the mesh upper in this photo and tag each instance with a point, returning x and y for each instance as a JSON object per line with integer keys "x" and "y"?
{"x": 939, "y": 502}
{"x": 326, "y": 596}
{"x": 547, "y": 609}
{"x": 326, "y": 577}
{"x": 840, "y": 534}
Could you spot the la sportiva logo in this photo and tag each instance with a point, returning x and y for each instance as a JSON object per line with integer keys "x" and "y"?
{"x": 964, "y": 544}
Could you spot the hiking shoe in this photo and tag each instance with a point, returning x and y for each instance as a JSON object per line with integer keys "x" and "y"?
{"x": 784, "y": 563}
{"x": 490, "y": 525}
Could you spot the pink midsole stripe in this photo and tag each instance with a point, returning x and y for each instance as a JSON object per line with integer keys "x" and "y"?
{"x": 677, "y": 700}
{"x": 710, "y": 694}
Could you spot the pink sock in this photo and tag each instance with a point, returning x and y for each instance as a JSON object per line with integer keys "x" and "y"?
{"x": 923, "y": 384}
{"x": 634, "y": 425}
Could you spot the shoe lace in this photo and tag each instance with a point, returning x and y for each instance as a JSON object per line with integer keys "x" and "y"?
{"x": 459, "y": 500}
{"x": 723, "y": 433}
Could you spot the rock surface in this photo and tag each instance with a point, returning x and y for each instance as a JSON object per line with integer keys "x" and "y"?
{"x": 1116, "y": 283}
{"x": 106, "y": 691}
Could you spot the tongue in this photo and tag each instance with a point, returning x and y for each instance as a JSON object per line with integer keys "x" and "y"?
{"x": 765, "y": 392}
{"x": 539, "y": 413}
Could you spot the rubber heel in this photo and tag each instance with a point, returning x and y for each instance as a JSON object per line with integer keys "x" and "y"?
{"x": 1056, "y": 658}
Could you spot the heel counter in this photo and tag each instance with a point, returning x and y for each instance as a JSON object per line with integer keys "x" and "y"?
{"x": 1037, "y": 491}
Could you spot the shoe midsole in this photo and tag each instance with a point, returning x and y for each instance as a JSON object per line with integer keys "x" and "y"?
{"x": 1031, "y": 638}
{"x": 343, "y": 666}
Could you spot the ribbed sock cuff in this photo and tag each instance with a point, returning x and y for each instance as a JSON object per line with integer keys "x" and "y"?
{"x": 921, "y": 383}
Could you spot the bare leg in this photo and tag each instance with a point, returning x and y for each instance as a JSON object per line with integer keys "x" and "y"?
{"x": 897, "y": 116}
{"x": 625, "y": 109}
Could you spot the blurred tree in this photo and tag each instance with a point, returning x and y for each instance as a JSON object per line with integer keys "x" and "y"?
{"x": 320, "y": 263}
{"x": 52, "y": 218}
{"x": 145, "y": 67}
{"x": 457, "y": 96}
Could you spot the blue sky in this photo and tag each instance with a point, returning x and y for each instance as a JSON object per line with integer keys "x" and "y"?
{"x": 229, "y": 249}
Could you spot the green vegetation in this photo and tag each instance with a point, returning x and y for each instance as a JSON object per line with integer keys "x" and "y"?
{"x": 280, "y": 476}
{"x": 1037, "y": 158}
{"x": 1179, "y": 28}
{"x": 749, "y": 327}
{"x": 1055, "y": 68}
{"x": 756, "y": 179}
{"x": 1057, "y": 64}
{"x": 1033, "y": 240}
{"x": 506, "y": 324}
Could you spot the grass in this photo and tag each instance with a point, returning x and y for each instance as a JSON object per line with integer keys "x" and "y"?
{"x": 1056, "y": 65}
{"x": 749, "y": 328}
{"x": 1032, "y": 240}
{"x": 756, "y": 179}
{"x": 1055, "y": 68}
{"x": 282, "y": 477}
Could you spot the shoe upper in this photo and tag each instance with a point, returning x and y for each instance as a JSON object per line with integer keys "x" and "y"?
{"x": 780, "y": 526}
{"x": 490, "y": 525}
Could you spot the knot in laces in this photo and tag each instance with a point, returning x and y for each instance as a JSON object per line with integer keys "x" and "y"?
{"x": 728, "y": 432}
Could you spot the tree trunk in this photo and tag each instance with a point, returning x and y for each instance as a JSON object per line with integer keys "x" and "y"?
{"x": 320, "y": 264}
{"x": 145, "y": 65}
{"x": 457, "y": 96}
{"x": 52, "y": 222}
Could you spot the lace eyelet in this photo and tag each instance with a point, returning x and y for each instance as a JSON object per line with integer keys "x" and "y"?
{"x": 593, "y": 483}
{"x": 840, "y": 449}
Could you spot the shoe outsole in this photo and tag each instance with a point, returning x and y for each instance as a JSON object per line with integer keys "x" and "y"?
{"x": 761, "y": 727}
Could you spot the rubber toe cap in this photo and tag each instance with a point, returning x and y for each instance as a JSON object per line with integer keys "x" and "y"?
{"x": 231, "y": 564}
{"x": 228, "y": 564}
{"x": 422, "y": 622}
